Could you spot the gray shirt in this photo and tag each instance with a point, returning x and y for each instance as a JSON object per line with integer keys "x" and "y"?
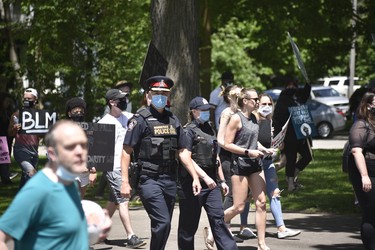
{"x": 247, "y": 136}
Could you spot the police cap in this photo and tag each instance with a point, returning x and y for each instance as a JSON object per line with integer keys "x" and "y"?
{"x": 199, "y": 103}
{"x": 159, "y": 83}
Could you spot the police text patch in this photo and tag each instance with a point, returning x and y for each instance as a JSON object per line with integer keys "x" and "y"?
{"x": 164, "y": 130}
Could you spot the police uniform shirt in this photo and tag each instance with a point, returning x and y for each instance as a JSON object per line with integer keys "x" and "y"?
{"x": 138, "y": 129}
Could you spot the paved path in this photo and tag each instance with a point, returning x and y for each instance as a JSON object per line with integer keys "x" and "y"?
{"x": 334, "y": 143}
{"x": 319, "y": 231}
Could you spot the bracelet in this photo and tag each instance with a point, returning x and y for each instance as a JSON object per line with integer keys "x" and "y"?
{"x": 222, "y": 181}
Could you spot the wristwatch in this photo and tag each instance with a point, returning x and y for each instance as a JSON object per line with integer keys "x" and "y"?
{"x": 247, "y": 152}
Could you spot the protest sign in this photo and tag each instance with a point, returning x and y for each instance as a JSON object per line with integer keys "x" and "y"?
{"x": 302, "y": 121}
{"x": 279, "y": 138}
{"x": 101, "y": 145}
{"x": 34, "y": 121}
{"x": 4, "y": 150}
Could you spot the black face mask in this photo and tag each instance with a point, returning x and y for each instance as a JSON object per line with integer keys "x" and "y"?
{"x": 123, "y": 104}
{"x": 227, "y": 84}
{"x": 28, "y": 104}
{"x": 77, "y": 117}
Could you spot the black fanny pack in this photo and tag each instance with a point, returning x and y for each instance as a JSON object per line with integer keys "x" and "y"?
{"x": 246, "y": 162}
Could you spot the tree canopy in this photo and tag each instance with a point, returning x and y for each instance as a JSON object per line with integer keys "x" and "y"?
{"x": 92, "y": 45}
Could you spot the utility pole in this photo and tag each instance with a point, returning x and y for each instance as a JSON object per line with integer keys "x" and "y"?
{"x": 352, "y": 51}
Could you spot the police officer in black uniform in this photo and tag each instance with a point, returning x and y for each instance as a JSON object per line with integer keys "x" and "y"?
{"x": 203, "y": 146}
{"x": 157, "y": 137}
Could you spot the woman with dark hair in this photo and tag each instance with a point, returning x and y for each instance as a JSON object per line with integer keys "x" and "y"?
{"x": 241, "y": 138}
{"x": 264, "y": 115}
{"x": 362, "y": 166}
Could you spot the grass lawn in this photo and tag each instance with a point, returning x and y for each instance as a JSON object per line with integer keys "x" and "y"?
{"x": 326, "y": 187}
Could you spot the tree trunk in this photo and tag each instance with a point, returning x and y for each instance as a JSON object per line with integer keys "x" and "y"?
{"x": 205, "y": 49}
{"x": 175, "y": 35}
{"x": 6, "y": 17}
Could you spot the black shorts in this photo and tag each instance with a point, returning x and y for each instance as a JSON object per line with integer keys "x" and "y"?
{"x": 246, "y": 171}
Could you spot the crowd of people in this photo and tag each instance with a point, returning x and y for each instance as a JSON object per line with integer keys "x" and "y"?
{"x": 224, "y": 150}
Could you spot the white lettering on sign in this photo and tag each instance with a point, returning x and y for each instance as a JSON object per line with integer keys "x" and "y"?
{"x": 50, "y": 117}
{"x": 27, "y": 118}
{"x": 96, "y": 159}
{"x": 37, "y": 121}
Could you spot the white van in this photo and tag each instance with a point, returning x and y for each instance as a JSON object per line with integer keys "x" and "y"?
{"x": 340, "y": 83}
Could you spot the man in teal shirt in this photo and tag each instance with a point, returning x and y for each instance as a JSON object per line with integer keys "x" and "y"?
{"x": 47, "y": 212}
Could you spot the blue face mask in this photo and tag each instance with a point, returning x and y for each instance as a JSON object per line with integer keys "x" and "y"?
{"x": 159, "y": 101}
{"x": 65, "y": 174}
{"x": 204, "y": 116}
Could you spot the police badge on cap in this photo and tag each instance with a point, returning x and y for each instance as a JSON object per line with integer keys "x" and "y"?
{"x": 159, "y": 83}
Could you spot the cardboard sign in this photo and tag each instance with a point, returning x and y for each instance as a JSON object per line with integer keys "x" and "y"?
{"x": 279, "y": 138}
{"x": 302, "y": 121}
{"x": 34, "y": 121}
{"x": 101, "y": 145}
{"x": 4, "y": 150}
{"x": 154, "y": 64}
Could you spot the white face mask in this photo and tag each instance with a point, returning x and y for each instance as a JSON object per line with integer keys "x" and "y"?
{"x": 65, "y": 175}
{"x": 265, "y": 110}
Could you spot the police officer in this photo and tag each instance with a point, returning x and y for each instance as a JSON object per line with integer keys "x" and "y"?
{"x": 157, "y": 136}
{"x": 203, "y": 146}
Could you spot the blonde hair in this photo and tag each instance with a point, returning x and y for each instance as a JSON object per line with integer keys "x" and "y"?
{"x": 230, "y": 95}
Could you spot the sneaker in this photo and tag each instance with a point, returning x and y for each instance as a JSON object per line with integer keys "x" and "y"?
{"x": 298, "y": 185}
{"x": 107, "y": 241}
{"x": 246, "y": 234}
{"x": 237, "y": 239}
{"x": 288, "y": 233}
{"x": 135, "y": 242}
{"x": 13, "y": 175}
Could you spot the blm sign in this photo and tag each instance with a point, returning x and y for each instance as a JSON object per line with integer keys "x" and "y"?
{"x": 101, "y": 145}
{"x": 34, "y": 121}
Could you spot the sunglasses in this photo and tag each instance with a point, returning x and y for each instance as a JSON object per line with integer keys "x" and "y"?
{"x": 256, "y": 99}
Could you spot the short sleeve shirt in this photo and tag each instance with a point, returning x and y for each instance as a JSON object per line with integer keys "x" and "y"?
{"x": 362, "y": 136}
{"x": 121, "y": 124}
{"x": 46, "y": 215}
{"x": 218, "y": 102}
